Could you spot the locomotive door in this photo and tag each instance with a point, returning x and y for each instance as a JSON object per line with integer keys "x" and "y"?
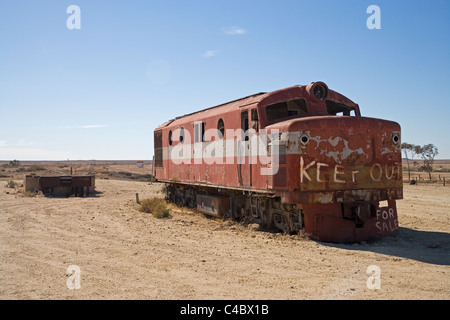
{"x": 244, "y": 165}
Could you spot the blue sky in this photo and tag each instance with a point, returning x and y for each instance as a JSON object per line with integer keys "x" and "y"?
{"x": 99, "y": 92}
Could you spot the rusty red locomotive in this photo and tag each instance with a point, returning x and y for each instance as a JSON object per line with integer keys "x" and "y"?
{"x": 299, "y": 158}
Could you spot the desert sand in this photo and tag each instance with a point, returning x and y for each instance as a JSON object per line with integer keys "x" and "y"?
{"x": 122, "y": 253}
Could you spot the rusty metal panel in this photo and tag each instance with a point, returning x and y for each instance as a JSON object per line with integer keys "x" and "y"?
{"x": 65, "y": 181}
{"x": 82, "y": 181}
{"x": 345, "y": 153}
{"x": 49, "y": 182}
{"x": 326, "y": 223}
{"x": 213, "y": 205}
{"x": 340, "y": 196}
{"x": 61, "y": 185}
{"x": 280, "y": 178}
{"x": 32, "y": 183}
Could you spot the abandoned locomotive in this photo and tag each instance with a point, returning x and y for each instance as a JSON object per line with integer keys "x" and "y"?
{"x": 299, "y": 158}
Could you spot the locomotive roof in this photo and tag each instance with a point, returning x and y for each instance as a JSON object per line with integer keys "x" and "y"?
{"x": 238, "y": 103}
{"x": 254, "y": 98}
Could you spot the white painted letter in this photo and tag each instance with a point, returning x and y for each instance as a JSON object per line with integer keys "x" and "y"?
{"x": 318, "y": 171}
{"x": 376, "y": 179}
{"x": 389, "y": 177}
{"x": 303, "y": 169}
{"x": 353, "y": 175}
{"x": 336, "y": 172}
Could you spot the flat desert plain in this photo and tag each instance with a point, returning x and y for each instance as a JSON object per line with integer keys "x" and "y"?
{"x": 117, "y": 252}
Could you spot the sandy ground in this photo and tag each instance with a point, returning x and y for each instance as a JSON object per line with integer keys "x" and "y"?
{"x": 125, "y": 254}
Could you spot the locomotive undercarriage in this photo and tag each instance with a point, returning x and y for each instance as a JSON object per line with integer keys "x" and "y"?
{"x": 242, "y": 206}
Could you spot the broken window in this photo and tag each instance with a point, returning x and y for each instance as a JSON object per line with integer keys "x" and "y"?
{"x": 199, "y": 132}
{"x": 339, "y": 109}
{"x": 244, "y": 125}
{"x": 220, "y": 128}
{"x": 286, "y": 109}
{"x": 255, "y": 121}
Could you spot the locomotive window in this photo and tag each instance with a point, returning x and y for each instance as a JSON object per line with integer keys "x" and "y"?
{"x": 220, "y": 128}
{"x": 277, "y": 111}
{"x": 196, "y": 138}
{"x": 286, "y": 109}
{"x": 199, "y": 132}
{"x": 255, "y": 121}
{"x": 170, "y": 138}
{"x": 339, "y": 109}
{"x": 182, "y": 135}
{"x": 158, "y": 149}
{"x": 297, "y": 107}
{"x": 244, "y": 125}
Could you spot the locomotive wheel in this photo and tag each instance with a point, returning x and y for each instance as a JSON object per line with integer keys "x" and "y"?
{"x": 266, "y": 220}
{"x": 189, "y": 198}
{"x": 269, "y": 213}
{"x": 281, "y": 222}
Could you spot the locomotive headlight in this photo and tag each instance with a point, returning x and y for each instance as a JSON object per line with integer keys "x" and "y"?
{"x": 396, "y": 138}
{"x": 318, "y": 90}
{"x": 304, "y": 138}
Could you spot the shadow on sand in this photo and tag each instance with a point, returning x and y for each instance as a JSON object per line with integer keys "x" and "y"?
{"x": 424, "y": 246}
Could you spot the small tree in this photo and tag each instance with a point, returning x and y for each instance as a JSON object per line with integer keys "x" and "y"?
{"x": 413, "y": 150}
{"x": 416, "y": 150}
{"x": 407, "y": 147}
{"x": 428, "y": 152}
{"x": 14, "y": 163}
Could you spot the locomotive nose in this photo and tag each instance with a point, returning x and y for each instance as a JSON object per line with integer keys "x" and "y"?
{"x": 337, "y": 137}
{"x": 344, "y": 166}
{"x": 337, "y": 153}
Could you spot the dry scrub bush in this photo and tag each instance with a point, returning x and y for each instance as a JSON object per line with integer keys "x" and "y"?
{"x": 156, "y": 206}
{"x": 11, "y": 184}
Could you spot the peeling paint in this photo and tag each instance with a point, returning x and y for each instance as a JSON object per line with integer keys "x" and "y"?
{"x": 336, "y": 155}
